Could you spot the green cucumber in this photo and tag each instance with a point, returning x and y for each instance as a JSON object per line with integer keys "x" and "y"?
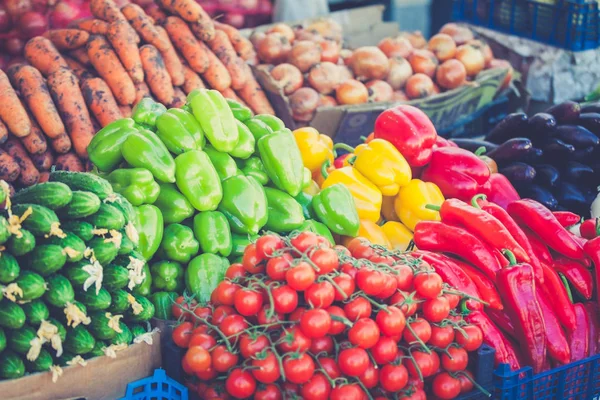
{"x": 65, "y": 358}
{"x": 76, "y": 274}
{"x": 97, "y": 350}
{"x": 32, "y": 285}
{"x": 12, "y": 315}
{"x": 42, "y": 363}
{"x": 115, "y": 277}
{"x": 79, "y": 340}
{"x": 163, "y": 304}
{"x": 125, "y": 207}
{"x": 2, "y": 340}
{"x": 99, "y": 326}
{"x": 137, "y": 330}
{"x": 19, "y": 340}
{"x": 19, "y": 246}
{"x": 118, "y": 303}
{"x": 127, "y": 245}
{"x": 42, "y": 220}
{"x": 4, "y": 231}
{"x": 9, "y": 268}
{"x": 83, "y": 230}
{"x": 62, "y": 331}
{"x": 83, "y": 181}
{"x": 72, "y": 244}
{"x": 11, "y": 365}
{"x": 36, "y": 311}
{"x": 104, "y": 251}
{"x": 53, "y": 195}
{"x": 125, "y": 337}
{"x": 147, "y": 310}
{"x": 83, "y": 204}
{"x": 93, "y": 301}
{"x": 45, "y": 259}
{"x": 60, "y": 291}
{"x": 107, "y": 217}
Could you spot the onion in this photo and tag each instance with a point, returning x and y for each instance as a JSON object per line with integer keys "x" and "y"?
{"x": 369, "y": 62}
{"x": 5, "y": 23}
{"x": 256, "y": 37}
{"x": 416, "y": 38}
{"x": 274, "y": 48}
{"x": 443, "y": 46}
{"x": 327, "y": 28}
{"x": 400, "y": 71}
{"x": 419, "y": 86}
{"x": 451, "y": 74}
{"x": 471, "y": 57}
{"x": 424, "y": 62}
{"x": 305, "y": 54}
{"x": 305, "y": 34}
{"x": 14, "y": 46}
{"x": 345, "y": 73}
{"x": 506, "y": 65}
{"x": 284, "y": 30}
{"x": 305, "y": 117}
{"x": 330, "y": 51}
{"x": 324, "y": 77}
{"x": 396, "y": 47}
{"x": 346, "y": 56}
{"x": 399, "y": 95}
{"x": 304, "y": 101}
{"x": 379, "y": 90}
{"x": 68, "y": 11}
{"x": 352, "y": 92}
{"x": 327, "y": 101}
{"x": 32, "y": 24}
{"x": 460, "y": 34}
{"x": 485, "y": 48}
{"x": 288, "y": 76}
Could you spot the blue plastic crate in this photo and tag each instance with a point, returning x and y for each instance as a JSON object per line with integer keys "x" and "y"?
{"x": 156, "y": 387}
{"x": 570, "y": 24}
{"x": 576, "y": 381}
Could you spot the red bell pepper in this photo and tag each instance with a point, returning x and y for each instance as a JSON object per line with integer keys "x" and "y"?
{"x": 579, "y": 338}
{"x": 593, "y": 314}
{"x": 499, "y": 190}
{"x": 443, "y": 142}
{"x": 566, "y": 218}
{"x": 516, "y": 285}
{"x": 578, "y": 275}
{"x": 410, "y": 130}
{"x": 541, "y": 221}
{"x": 502, "y": 320}
{"x": 485, "y": 286}
{"x": 457, "y": 172}
{"x": 556, "y": 340}
{"x": 589, "y": 228}
{"x": 592, "y": 250}
{"x": 443, "y": 238}
{"x": 559, "y": 297}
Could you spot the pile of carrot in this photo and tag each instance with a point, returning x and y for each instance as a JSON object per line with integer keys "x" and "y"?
{"x": 76, "y": 80}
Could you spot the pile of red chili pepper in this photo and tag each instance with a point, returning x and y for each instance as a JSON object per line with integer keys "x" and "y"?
{"x": 536, "y": 277}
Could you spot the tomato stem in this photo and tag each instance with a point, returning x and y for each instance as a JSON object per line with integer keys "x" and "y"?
{"x": 421, "y": 342}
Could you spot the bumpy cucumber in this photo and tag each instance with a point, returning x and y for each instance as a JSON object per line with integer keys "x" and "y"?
{"x": 83, "y": 204}
{"x": 83, "y": 181}
{"x": 53, "y": 195}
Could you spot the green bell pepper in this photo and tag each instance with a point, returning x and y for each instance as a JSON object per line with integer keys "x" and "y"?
{"x": 335, "y": 207}
{"x": 246, "y": 144}
{"x": 104, "y": 149}
{"x": 198, "y": 180}
{"x": 150, "y": 229}
{"x": 318, "y": 228}
{"x": 203, "y": 274}
{"x": 283, "y": 161}
{"x": 215, "y": 117}
{"x": 306, "y": 178}
{"x": 167, "y": 275}
{"x": 240, "y": 112}
{"x": 239, "y": 244}
{"x": 255, "y": 168}
{"x": 244, "y": 204}
{"x": 135, "y": 184}
{"x": 173, "y": 205}
{"x": 305, "y": 201}
{"x": 144, "y": 149}
{"x": 272, "y": 122}
{"x": 144, "y": 288}
{"x": 179, "y": 131}
{"x": 258, "y": 128}
{"x": 146, "y": 112}
{"x": 163, "y": 304}
{"x": 213, "y": 232}
{"x": 284, "y": 212}
{"x": 179, "y": 243}
{"x": 223, "y": 163}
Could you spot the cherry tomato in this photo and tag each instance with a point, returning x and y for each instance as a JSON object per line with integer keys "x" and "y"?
{"x": 429, "y": 285}
{"x": 436, "y": 310}
{"x": 285, "y": 299}
{"x": 277, "y": 266}
{"x": 182, "y": 334}
{"x": 298, "y": 368}
{"x": 220, "y": 313}
{"x": 473, "y": 340}
{"x": 445, "y": 386}
{"x": 304, "y": 241}
{"x": 325, "y": 259}
{"x": 225, "y": 291}
{"x": 202, "y": 312}
{"x": 265, "y": 367}
{"x": 441, "y": 336}
{"x": 417, "y": 394}
{"x": 393, "y": 377}
{"x": 342, "y": 250}
{"x": 347, "y": 392}
{"x": 240, "y": 384}
{"x": 466, "y": 381}
{"x": 423, "y": 362}
{"x": 435, "y": 359}
{"x": 207, "y": 375}
{"x": 361, "y": 248}
{"x": 181, "y": 307}
{"x": 364, "y": 333}
{"x": 216, "y": 392}
{"x": 357, "y": 308}
{"x": 404, "y": 277}
{"x": 349, "y": 269}
{"x": 320, "y": 294}
{"x": 379, "y": 259}
{"x": 453, "y": 299}
{"x": 262, "y": 318}
{"x": 405, "y": 302}
{"x": 391, "y": 321}
{"x": 222, "y": 359}
{"x": 421, "y": 329}
{"x": 297, "y": 314}
{"x": 385, "y": 350}
{"x": 336, "y": 327}
{"x": 389, "y": 286}
{"x": 301, "y": 276}
{"x": 293, "y": 339}
{"x": 203, "y": 340}
{"x": 354, "y": 361}
{"x": 198, "y": 358}
{"x": 249, "y": 346}
{"x": 251, "y": 260}
{"x": 370, "y": 378}
{"x": 455, "y": 359}
{"x": 415, "y": 382}
{"x": 268, "y": 392}
{"x": 247, "y": 302}
{"x": 235, "y": 271}
{"x": 186, "y": 368}
{"x": 317, "y": 388}
{"x": 267, "y": 244}
{"x": 331, "y": 367}
{"x": 370, "y": 281}
{"x": 232, "y": 325}
{"x": 315, "y": 323}
{"x": 344, "y": 282}
{"x": 321, "y": 345}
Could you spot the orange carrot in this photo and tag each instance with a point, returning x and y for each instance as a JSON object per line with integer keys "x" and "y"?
{"x": 100, "y": 101}
{"x": 78, "y": 69}
{"x": 242, "y": 46}
{"x": 221, "y": 46}
{"x": 69, "y": 162}
{"x": 44, "y": 176}
{"x": 192, "y": 12}
{"x": 43, "y": 161}
{"x": 141, "y": 90}
{"x": 125, "y": 111}
{"x": 109, "y": 67}
{"x": 29, "y": 173}
{"x": 9, "y": 169}
{"x": 67, "y": 39}
{"x": 216, "y": 75}
{"x": 3, "y": 132}
{"x": 203, "y": 29}
{"x": 61, "y": 144}
{"x": 179, "y": 99}
{"x": 156, "y": 14}
{"x": 171, "y": 58}
{"x": 144, "y": 26}
{"x": 108, "y": 11}
{"x": 34, "y": 91}
{"x": 41, "y": 53}
{"x": 254, "y": 96}
{"x": 124, "y": 45}
{"x": 192, "y": 80}
{"x": 187, "y": 44}
{"x": 157, "y": 77}
{"x": 229, "y": 93}
{"x": 35, "y": 142}
{"x": 12, "y": 112}
{"x": 93, "y": 26}
{"x": 81, "y": 56}
{"x": 69, "y": 99}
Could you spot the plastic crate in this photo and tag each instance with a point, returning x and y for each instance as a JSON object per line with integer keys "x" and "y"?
{"x": 576, "y": 381}
{"x": 156, "y": 387}
{"x": 481, "y": 122}
{"x": 570, "y": 24}
{"x": 482, "y": 366}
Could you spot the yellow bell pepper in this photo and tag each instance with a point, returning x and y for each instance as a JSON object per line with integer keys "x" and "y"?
{"x": 381, "y": 163}
{"x": 312, "y": 189}
{"x": 387, "y": 209}
{"x": 372, "y": 232}
{"x": 366, "y": 195}
{"x": 314, "y": 147}
{"x": 412, "y": 199}
{"x": 398, "y": 235}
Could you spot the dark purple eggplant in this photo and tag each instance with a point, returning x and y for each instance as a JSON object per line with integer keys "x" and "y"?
{"x": 474, "y": 144}
{"x": 573, "y": 198}
{"x": 535, "y": 156}
{"x": 541, "y": 124}
{"x": 511, "y": 150}
{"x": 579, "y": 173}
{"x": 591, "y": 107}
{"x": 519, "y": 173}
{"x": 547, "y": 176}
{"x": 513, "y": 125}
{"x": 576, "y": 135}
{"x": 583, "y": 155}
{"x": 565, "y": 113}
{"x": 556, "y": 150}
{"x": 540, "y": 194}
{"x": 590, "y": 121}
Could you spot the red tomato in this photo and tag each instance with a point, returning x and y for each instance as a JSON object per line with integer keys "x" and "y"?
{"x": 346, "y": 284}
{"x": 293, "y": 339}
{"x": 232, "y": 325}
{"x": 304, "y": 241}
{"x": 361, "y": 248}
{"x": 317, "y": 388}
{"x": 249, "y": 346}
{"x": 225, "y": 291}
{"x": 268, "y": 392}
{"x": 347, "y": 392}
{"x": 364, "y": 333}
{"x": 222, "y": 359}
{"x": 331, "y": 367}
{"x": 197, "y": 358}
{"x": 265, "y": 367}
{"x": 391, "y": 321}
{"x": 186, "y": 368}
{"x": 321, "y": 345}
{"x": 247, "y": 302}
{"x": 349, "y": 269}
{"x": 220, "y": 313}
{"x": 379, "y": 259}
{"x": 325, "y": 259}
{"x": 370, "y": 281}
{"x": 436, "y": 310}
{"x": 298, "y": 368}
{"x": 262, "y": 318}
{"x": 207, "y": 375}
{"x": 354, "y": 361}
{"x": 203, "y": 340}
{"x": 320, "y": 294}
{"x": 181, "y": 307}
{"x": 466, "y": 381}
{"x": 240, "y": 384}
{"x": 429, "y": 285}
{"x": 297, "y": 314}
{"x": 357, "y": 308}
{"x": 389, "y": 286}
{"x": 251, "y": 261}
{"x": 202, "y": 312}
{"x": 235, "y": 271}
{"x": 182, "y": 334}
{"x": 277, "y": 266}
{"x": 421, "y": 329}
{"x": 267, "y": 244}
{"x": 370, "y": 378}
{"x": 453, "y": 299}
{"x": 445, "y": 386}
{"x": 285, "y": 299}
{"x": 441, "y": 336}
{"x": 342, "y": 250}
{"x": 473, "y": 340}
{"x": 336, "y": 327}
{"x": 385, "y": 350}
{"x": 393, "y": 377}
{"x": 404, "y": 277}
{"x": 424, "y": 362}
{"x": 417, "y": 394}
{"x": 301, "y": 276}
{"x": 315, "y": 323}
{"x": 455, "y": 359}
{"x": 405, "y": 302}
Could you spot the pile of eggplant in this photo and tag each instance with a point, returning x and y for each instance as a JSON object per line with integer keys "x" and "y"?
{"x": 552, "y": 157}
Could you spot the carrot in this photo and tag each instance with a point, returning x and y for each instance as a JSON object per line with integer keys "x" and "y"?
{"x": 192, "y": 12}
{"x": 29, "y": 173}
{"x": 108, "y": 11}
{"x": 144, "y": 26}
{"x": 61, "y": 144}
{"x": 125, "y": 111}
{"x": 9, "y": 169}
{"x": 41, "y": 53}
{"x": 78, "y": 69}
{"x": 35, "y": 143}
{"x": 93, "y": 26}
{"x": 156, "y": 14}
{"x": 221, "y": 46}
{"x": 67, "y": 39}
{"x": 69, "y": 162}
{"x": 203, "y": 30}
{"x": 216, "y": 75}
{"x": 254, "y": 96}
{"x": 12, "y": 112}
{"x": 185, "y": 41}
{"x": 242, "y": 46}
{"x": 69, "y": 99}
{"x": 81, "y": 56}
{"x": 124, "y": 45}
{"x": 141, "y": 90}
{"x": 179, "y": 99}
{"x": 192, "y": 80}
{"x": 171, "y": 58}
{"x": 43, "y": 161}
{"x": 44, "y": 176}
{"x": 3, "y": 132}
{"x": 100, "y": 101}
{"x": 157, "y": 77}
{"x": 34, "y": 91}
{"x": 229, "y": 93}
{"x": 109, "y": 67}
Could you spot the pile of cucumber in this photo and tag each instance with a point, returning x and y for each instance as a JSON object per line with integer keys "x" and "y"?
{"x": 68, "y": 274}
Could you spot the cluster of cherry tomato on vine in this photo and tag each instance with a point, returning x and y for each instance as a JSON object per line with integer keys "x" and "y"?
{"x": 299, "y": 318}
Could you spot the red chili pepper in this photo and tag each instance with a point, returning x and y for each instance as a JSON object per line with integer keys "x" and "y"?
{"x": 499, "y": 190}
{"x": 556, "y": 340}
{"x": 538, "y": 247}
{"x": 578, "y": 275}
{"x": 501, "y": 259}
{"x": 566, "y": 218}
{"x": 541, "y": 220}
{"x": 485, "y": 285}
{"x": 579, "y": 340}
{"x": 516, "y": 285}
{"x": 589, "y": 228}
{"x": 502, "y": 320}
{"x": 559, "y": 297}
{"x": 593, "y": 314}
{"x": 592, "y": 250}
{"x": 442, "y": 238}
{"x": 339, "y": 161}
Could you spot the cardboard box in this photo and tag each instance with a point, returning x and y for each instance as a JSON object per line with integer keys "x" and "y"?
{"x": 103, "y": 378}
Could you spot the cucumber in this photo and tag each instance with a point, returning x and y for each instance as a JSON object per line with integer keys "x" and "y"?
{"x": 83, "y": 230}
{"x": 19, "y": 340}
{"x": 125, "y": 337}
{"x": 94, "y": 302}
{"x": 42, "y": 363}
{"x": 4, "y": 232}
{"x": 99, "y": 326}
{"x": 107, "y": 217}
{"x": 12, "y": 315}
{"x": 137, "y": 330}
{"x": 119, "y": 303}
{"x": 36, "y": 311}
{"x": 76, "y": 274}
{"x": 72, "y": 244}
{"x": 115, "y": 277}
{"x": 53, "y": 195}
{"x": 125, "y": 207}
{"x": 83, "y": 181}
{"x": 2, "y": 340}
{"x": 60, "y": 291}
{"x": 11, "y": 365}
{"x": 32, "y": 285}
{"x": 45, "y": 259}
{"x": 83, "y": 204}
{"x": 65, "y": 358}
{"x": 104, "y": 251}
{"x": 127, "y": 245}
{"x": 145, "y": 315}
{"x": 19, "y": 246}
{"x": 41, "y": 221}
{"x": 97, "y": 350}
{"x": 9, "y": 268}
{"x": 62, "y": 331}
{"x": 79, "y": 340}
